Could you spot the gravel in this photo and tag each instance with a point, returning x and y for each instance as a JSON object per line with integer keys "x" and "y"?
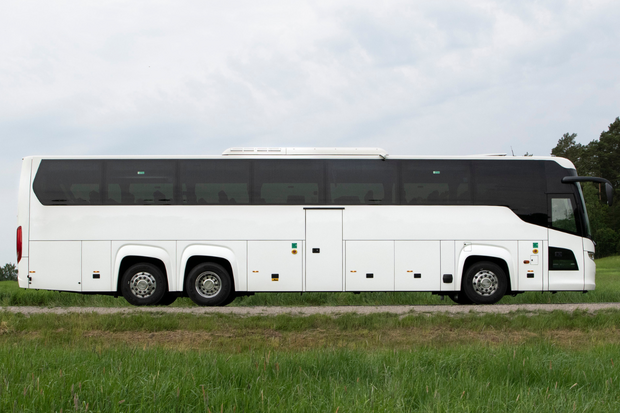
{"x": 329, "y": 310}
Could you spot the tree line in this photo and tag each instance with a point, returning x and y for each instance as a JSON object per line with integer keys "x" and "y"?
{"x": 600, "y": 157}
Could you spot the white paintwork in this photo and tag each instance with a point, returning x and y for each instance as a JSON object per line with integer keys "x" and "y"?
{"x": 417, "y": 257}
{"x": 23, "y": 220}
{"x": 64, "y": 245}
{"x": 56, "y": 265}
{"x": 447, "y": 266}
{"x": 567, "y": 280}
{"x": 324, "y": 231}
{"x": 96, "y": 260}
{"x": 589, "y": 265}
{"x": 266, "y": 258}
{"x": 530, "y": 263}
{"x": 369, "y": 257}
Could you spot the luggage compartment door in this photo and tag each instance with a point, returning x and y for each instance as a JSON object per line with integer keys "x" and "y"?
{"x": 324, "y": 250}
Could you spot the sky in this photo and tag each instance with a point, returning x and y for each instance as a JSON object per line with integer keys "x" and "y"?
{"x": 196, "y": 77}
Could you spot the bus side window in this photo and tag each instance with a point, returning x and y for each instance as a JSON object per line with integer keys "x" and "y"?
{"x": 563, "y": 214}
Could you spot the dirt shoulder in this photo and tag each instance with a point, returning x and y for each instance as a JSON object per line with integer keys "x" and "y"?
{"x": 328, "y": 310}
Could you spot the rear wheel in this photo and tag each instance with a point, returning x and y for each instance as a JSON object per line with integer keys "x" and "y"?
{"x": 168, "y": 299}
{"x": 485, "y": 283}
{"x": 143, "y": 284}
{"x": 209, "y": 284}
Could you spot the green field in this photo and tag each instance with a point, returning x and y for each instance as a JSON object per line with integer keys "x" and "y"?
{"x": 159, "y": 362}
{"x": 607, "y": 290}
{"x": 381, "y": 362}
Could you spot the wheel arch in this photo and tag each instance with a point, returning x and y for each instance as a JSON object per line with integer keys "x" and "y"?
{"x": 197, "y": 254}
{"x": 497, "y": 255}
{"x": 133, "y": 254}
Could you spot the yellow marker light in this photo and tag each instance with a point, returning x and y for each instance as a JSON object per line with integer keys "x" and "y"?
{"x": 254, "y": 271}
{"x": 294, "y": 252}
{"x": 409, "y": 271}
{"x": 353, "y": 271}
{"x": 526, "y": 261}
{"x": 535, "y": 250}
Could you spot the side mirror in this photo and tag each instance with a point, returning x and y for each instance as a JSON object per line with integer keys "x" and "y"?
{"x": 609, "y": 190}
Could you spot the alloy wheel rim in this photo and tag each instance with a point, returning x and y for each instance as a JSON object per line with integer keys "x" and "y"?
{"x": 485, "y": 283}
{"x": 208, "y": 284}
{"x": 143, "y": 284}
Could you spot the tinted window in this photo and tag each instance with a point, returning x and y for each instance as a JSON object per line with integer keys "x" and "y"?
{"x": 362, "y": 182}
{"x": 140, "y": 182}
{"x": 68, "y": 182}
{"x": 519, "y": 185}
{"x": 563, "y": 214}
{"x": 440, "y": 182}
{"x": 288, "y": 182}
{"x": 215, "y": 182}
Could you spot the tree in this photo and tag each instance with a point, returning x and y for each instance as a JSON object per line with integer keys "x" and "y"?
{"x": 598, "y": 158}
{"x": 8, "y": 273}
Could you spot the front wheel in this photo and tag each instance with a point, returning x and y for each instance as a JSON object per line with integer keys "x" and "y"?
{"x": 143, "y": 284}
{"x": 209, "y": 284}
{"x": 485, "y": 283}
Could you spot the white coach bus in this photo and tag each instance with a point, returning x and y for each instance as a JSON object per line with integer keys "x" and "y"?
{"x": 303, "y": 219}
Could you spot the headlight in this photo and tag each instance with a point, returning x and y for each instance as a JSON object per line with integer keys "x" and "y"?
{"x": 591, "y": 255}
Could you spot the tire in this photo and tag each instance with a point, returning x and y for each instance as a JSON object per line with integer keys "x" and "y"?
{"x": 460, "y": 298}
{"x": 485, "y": 283}
{"x": 143, "y": 284}
{"x": 209, "y": 284}
{"x": 168, "y": 299}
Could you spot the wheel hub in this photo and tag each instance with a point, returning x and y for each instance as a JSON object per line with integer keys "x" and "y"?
{"x": 208, "y": 284}
{"x": 485, "y": 282}
{"x": 142, "y": 284}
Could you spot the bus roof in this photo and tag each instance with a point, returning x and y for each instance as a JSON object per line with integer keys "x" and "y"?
{"x": 316, "y": 153}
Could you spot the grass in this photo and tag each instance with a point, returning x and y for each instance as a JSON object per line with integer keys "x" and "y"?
{"x": 607, "y": 290}
{"x": 381, "y": 362}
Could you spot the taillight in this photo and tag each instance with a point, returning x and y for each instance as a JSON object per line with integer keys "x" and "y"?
{"x": 19, "y": 244}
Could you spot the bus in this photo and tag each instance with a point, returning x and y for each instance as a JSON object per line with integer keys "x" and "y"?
{"x": 154, "y": 228}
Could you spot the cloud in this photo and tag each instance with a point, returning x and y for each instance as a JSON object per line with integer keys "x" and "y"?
{"x": 164, "y": 77}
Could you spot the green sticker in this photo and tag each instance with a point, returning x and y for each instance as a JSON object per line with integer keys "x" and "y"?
{"x": 294, "y": 245}
{"x": 535, "y": 245}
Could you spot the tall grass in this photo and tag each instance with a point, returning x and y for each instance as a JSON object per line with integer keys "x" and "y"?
{"x": 465, "y": 378}
{"x": 607, "y": 290}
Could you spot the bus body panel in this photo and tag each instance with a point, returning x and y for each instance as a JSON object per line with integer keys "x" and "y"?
{"x": 531, "y": 266}
{"x": 97, "y": 273}
{"x": 417, "y": 266}
{"x": 273, "y": 265}
{"x": 23, "y": 219}
{"x": 567, "y": 280}
{"x": 369, "y": 266}
{"x": 56, "y": 265}
{"x": 323, "y": 251}
{"x": 589, "y": 265}
{"x": 435, "y": 223}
